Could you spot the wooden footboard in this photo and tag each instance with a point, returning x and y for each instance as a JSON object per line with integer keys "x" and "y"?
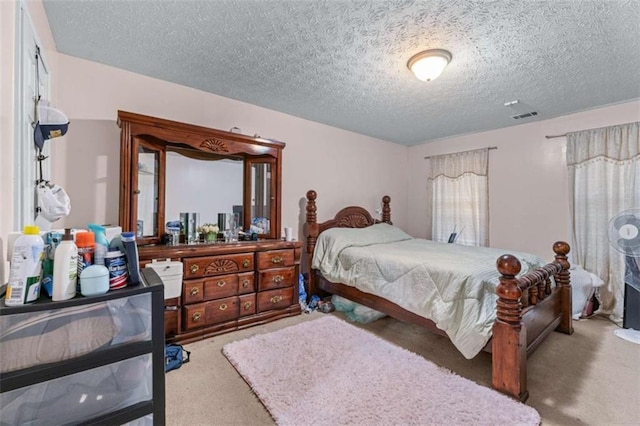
{"x": 528, "y": 309}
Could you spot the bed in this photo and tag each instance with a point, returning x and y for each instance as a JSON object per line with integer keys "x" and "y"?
{"x": 531, "y": 298}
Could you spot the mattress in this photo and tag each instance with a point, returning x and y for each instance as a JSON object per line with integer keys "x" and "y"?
{"x": 450, "y": 284}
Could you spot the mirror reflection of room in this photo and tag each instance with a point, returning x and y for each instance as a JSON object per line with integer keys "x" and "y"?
{"x": 202, "y": 186}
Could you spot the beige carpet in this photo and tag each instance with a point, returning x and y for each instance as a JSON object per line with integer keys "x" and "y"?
{"x": 598, "y": 384}
{"x": 364, "y": 379}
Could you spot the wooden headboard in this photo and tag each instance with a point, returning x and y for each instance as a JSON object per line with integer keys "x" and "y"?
{"x": 348, "y": 217}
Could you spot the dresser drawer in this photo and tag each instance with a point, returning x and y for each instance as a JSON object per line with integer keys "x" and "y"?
{"x": 246, "y": 283}
{"x": 170, "y": 322}
{"x": 247, "y": 304}
{"x": 213, "y": 312}
{"x": 275, "y": 259}
{"x": 220, "y": 286}
{"x": 197, "y": 267}
{"x": 276, "y": 278}
{"x": 275, "y": 299}
{"x": 192, "y": 291}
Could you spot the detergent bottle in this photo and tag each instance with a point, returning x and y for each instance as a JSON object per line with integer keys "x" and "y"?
{"x": 102, "y": 244}
{"x": 26, "y": 267}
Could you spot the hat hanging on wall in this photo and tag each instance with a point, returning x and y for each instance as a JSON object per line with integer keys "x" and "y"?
{"x": 52, "y": 123}
{"x": 53, "y": 203}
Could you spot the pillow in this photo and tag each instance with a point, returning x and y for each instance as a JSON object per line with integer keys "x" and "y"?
{"x": 332, "y": 241}
{"x": 374, "y": 234}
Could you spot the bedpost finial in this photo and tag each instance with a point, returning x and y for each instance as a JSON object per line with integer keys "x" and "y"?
{"x": 386, "y": 199}
{"x": 508, "y": 265}
{"x": 561, "y": 248}
{"x": 311, "y": 195}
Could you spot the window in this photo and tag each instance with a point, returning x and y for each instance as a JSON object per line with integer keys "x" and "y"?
{"x": 604, "y": 180}
{"x": 459, "y": 196}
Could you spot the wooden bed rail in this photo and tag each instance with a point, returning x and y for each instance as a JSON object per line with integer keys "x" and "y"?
{"x": 532, "y": 287}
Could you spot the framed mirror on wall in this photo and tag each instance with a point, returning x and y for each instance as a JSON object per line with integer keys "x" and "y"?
{"x": 170, "y": 168}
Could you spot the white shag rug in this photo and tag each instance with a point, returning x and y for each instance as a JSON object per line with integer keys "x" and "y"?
{"x": 329, "y": 372}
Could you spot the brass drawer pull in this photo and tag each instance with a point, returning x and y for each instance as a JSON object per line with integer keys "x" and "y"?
{"x": 246, "y": 263}
{"x": 223, "y": 307}
{"x": 194, "y": 268}
{"x": 221, "y": 283}
{"x": 247, "y": 306}
{"x": 194, "y": 291}
{"x": 276, "y": 259}
{"x": 245, "y": 283}
{"x": 277, "y": 279}
{"x": 276, "y": 299}
{"x": 196, "y": 316}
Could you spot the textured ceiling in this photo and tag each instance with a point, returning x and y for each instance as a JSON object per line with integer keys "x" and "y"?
{"x": 343, "y": 63}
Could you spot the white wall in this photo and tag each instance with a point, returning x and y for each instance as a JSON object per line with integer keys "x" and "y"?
{"x": 528, "y": 177}
{"x": 343, "y": 167}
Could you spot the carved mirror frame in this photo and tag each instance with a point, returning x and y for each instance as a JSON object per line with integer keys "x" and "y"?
{"x": 158, "y": 133}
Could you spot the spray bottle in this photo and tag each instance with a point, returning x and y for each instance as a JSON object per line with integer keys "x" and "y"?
{"x": 102, "y": 244}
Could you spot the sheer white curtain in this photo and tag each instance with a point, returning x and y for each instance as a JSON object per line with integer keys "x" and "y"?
{"x": 459, "y": 194}
{"x": 604, "y": 179}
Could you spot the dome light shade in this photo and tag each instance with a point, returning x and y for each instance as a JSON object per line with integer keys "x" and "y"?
{"x": 429, "y": 64}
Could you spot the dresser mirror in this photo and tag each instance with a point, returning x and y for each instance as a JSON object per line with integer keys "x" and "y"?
{"x": 169, "y": 168}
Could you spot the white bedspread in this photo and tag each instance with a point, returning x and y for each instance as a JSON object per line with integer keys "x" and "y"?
{"x": 451, "y": 284}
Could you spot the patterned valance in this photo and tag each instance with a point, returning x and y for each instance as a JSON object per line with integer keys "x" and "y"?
{"x": 455, "y": 165}
{"x": 617, "y": 143}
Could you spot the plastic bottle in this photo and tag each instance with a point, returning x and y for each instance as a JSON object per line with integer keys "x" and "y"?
{"x": 116, "y": 243}
{"x": 131, "y": 251}
{"x": 86, "y": 242}
{"x": 102, "y": 244}
{"x": 51, "y": 241}
{"x": 26, "y": 268}
{"x": 65, "y": 268}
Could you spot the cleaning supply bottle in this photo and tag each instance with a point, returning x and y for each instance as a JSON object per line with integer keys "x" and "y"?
{"x": 116, "y": 243}
{"x": 102, "y": 244}
{"x": 51, "y": 241}
{"x": 25, "y": 268}
{"x": 131, "y": 251}
{"x": 65, "y": 268}
{"x": 86, "y": 242}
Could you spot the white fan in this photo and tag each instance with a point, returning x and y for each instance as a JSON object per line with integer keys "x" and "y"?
{"x": 624, "y": 236}
{"x": 624, "y": 232}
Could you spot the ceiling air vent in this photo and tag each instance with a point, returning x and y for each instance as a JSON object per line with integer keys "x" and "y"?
{"x": 521, "y": 109}
{"x": 525, "y": 115}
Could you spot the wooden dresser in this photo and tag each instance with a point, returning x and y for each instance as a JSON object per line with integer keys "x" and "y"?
{"x": 227, "y": 287}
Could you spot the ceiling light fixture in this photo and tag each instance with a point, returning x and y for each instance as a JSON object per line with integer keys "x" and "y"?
{"x": 429, "y": 64}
